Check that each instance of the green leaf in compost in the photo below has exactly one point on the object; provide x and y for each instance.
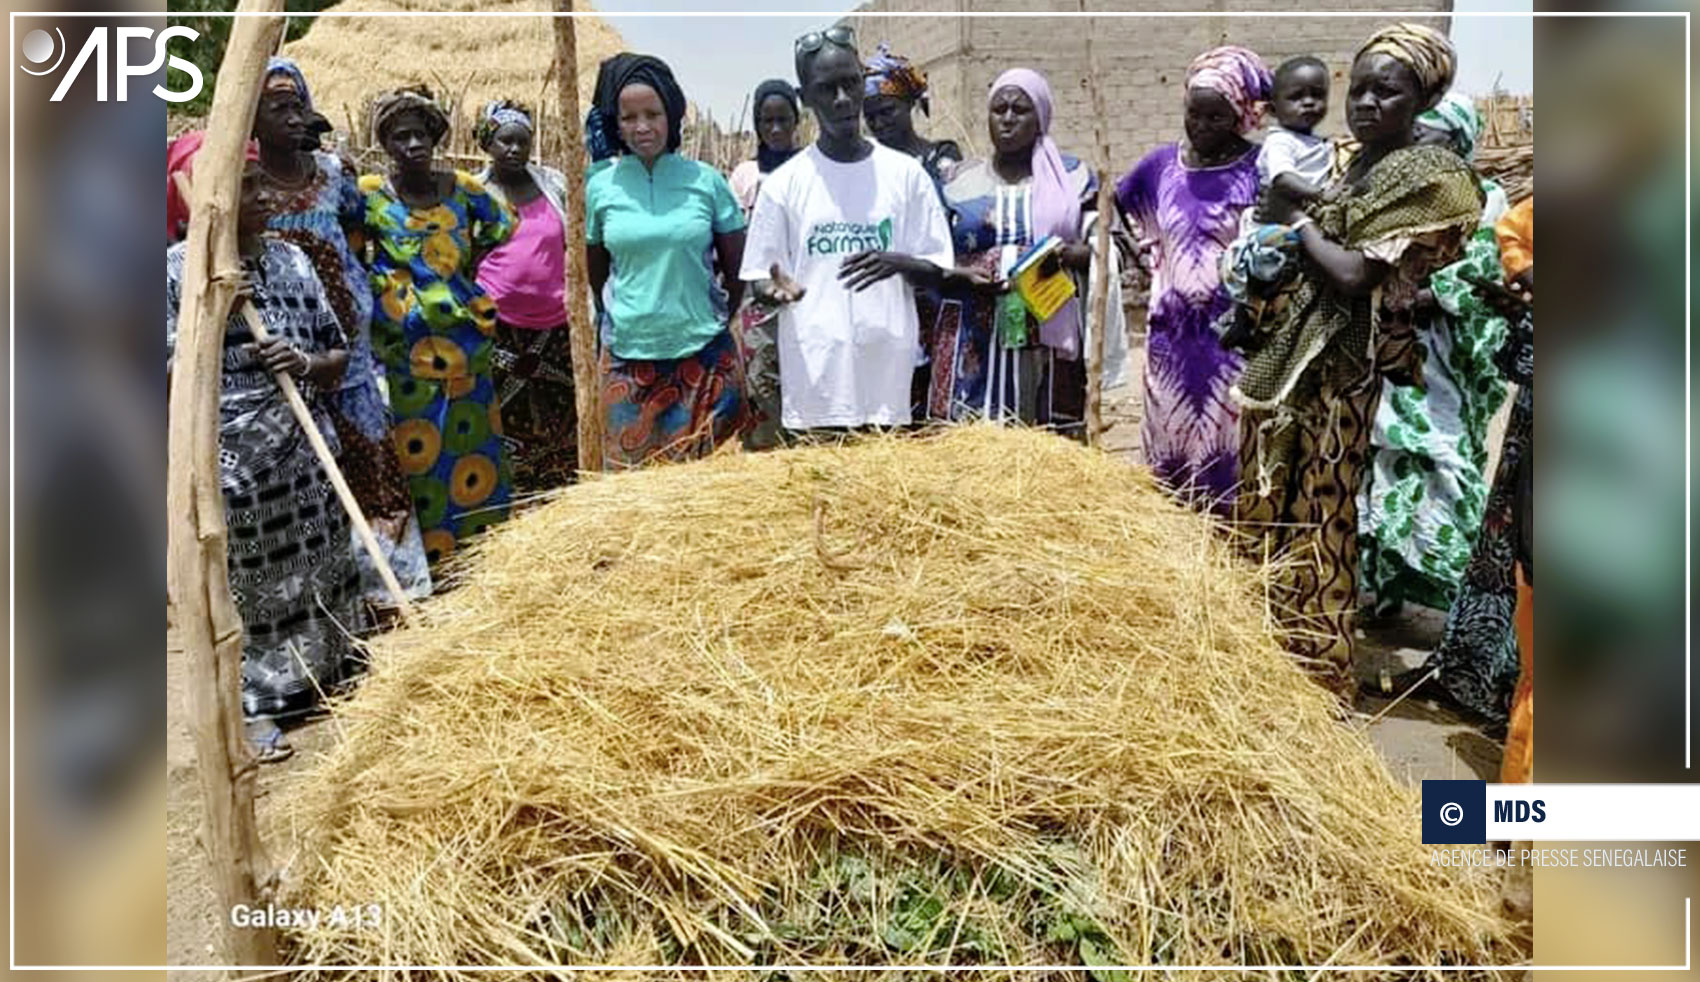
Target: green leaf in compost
(1097, 955)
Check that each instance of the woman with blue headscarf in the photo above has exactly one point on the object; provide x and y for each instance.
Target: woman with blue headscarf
(316, 200)
(1421, 509)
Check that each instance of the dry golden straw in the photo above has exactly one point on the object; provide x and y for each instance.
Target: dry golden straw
(467, 61)
(980, 697)
(350, 61)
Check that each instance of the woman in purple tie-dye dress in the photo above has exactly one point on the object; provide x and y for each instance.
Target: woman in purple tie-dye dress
(1185, 200)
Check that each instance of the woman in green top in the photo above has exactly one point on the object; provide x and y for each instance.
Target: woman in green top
(1423, 499)
(672, 387)
(433, 326)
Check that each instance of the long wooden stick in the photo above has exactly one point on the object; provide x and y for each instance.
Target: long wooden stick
(209, 625)
(587, 385)
(304, 416)
(1100, 312)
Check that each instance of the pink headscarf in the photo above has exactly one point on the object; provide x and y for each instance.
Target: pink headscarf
(178, 155)
(1056, 208)
(180, 158)
(1240, 76)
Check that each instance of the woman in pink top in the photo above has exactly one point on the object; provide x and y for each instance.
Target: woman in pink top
(526, 277)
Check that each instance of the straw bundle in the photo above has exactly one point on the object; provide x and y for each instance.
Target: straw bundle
(980, 697)
(1512, 166)
(466, 61)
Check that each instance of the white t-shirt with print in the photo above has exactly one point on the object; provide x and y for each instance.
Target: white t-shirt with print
(845, 359)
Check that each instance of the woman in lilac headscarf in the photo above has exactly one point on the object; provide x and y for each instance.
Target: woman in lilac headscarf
(1185, 201)
(991, 359)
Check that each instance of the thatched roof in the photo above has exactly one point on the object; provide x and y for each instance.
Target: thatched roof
(465, 60)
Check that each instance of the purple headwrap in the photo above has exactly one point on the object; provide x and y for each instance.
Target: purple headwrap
(1240, 76)
(1056, 208)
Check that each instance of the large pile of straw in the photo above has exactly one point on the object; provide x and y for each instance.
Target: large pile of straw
(984, 697)
(467, 61)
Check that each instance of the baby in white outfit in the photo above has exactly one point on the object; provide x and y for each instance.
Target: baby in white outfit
(1294, 159)
(1294, 162)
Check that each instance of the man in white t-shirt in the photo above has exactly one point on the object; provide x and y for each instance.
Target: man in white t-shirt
(840, 236)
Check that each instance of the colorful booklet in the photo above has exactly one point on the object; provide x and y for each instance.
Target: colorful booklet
(1043, 295)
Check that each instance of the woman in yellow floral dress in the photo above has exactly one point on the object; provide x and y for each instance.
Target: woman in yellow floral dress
(433, 326)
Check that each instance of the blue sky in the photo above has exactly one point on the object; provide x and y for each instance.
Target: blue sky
(719, 60)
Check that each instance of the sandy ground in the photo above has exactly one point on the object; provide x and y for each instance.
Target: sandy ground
(1418, 740)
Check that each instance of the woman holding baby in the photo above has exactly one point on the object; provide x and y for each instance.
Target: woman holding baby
(1393, 213)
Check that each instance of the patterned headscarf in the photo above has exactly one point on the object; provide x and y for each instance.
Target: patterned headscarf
(497, 114)
(602, 123)
(391, 105)
(887, 74)
(289, 69)
(1424, 50)
(1056, 209)
(597, 143)
(1456, 116)
(1240, 76)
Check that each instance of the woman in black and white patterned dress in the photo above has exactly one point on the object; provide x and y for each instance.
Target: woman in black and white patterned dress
(291, 572)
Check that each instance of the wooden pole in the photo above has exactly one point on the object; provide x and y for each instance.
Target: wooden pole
(208, 623)
(362, 528)
(1100, 312)
(587, 382)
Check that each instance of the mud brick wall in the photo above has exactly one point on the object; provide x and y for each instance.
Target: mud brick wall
(1142, 60)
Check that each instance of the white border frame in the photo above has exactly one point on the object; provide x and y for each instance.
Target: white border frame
(266, 970)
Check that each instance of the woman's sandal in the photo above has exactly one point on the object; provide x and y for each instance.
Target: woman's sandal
(268, 743)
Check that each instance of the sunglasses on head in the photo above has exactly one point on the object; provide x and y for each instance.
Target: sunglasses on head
(841, 35)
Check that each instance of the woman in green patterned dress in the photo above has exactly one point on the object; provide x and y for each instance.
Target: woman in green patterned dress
(433, 327)
(1312, 379)
(1421, 509)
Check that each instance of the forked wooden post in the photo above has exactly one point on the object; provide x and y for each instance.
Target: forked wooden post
(1100, 312)
(587, 387)
(208, 623)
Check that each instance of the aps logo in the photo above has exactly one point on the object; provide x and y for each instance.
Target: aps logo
(41, 47)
